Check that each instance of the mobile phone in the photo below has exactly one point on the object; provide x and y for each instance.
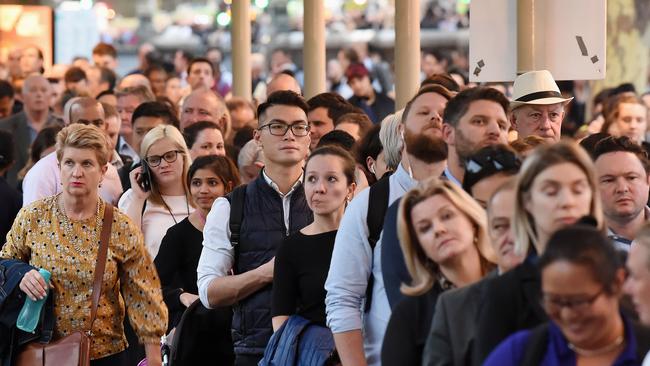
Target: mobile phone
(144, 181)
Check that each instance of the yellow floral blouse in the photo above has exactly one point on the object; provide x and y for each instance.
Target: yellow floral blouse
(44, 238)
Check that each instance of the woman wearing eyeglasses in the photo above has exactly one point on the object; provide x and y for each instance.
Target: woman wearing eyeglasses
(581, 287)
(159, 196)
(556, 186)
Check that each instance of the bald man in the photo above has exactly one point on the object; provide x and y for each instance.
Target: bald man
(134, 80)
(24, 126)
(44, 178)
(283, 82)
(204, 105)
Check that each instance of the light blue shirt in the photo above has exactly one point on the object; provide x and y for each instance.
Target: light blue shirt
(352, 262)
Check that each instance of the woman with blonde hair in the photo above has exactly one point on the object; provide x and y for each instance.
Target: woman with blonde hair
(556, 187)
(62, 234)
(444, 238)
(159, 196)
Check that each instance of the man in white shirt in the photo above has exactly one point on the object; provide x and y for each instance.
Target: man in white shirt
(274, 206)
(128, 99)
(44, 178)
(638, 281)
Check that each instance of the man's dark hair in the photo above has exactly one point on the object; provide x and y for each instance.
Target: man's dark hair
(339, 138)
(425, 89)
(458, 105)
(153, 68)
(282, 97)
(187, 55)
(589, 143)
(155, 109)
(105, 49)
(6, 149)
(357, 118)
(589, 248)
(489, 161)
(624, 88)
(622, 144)
(105, 92)
(6, 90)
(335, 104)
(369, 146)
(108, 76)
(602, 95)
(45, 138)
(191, 132)
(74, 75)
(442, 79)
(460, 72)
(200, 60)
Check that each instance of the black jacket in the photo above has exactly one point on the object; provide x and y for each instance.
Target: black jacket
(377, 111)
(512, 304)
(11, 302)
(262, 231)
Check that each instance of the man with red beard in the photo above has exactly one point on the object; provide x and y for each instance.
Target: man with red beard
(473, 119)
(355, 272)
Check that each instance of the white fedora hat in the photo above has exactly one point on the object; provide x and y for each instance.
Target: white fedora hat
(536, 87)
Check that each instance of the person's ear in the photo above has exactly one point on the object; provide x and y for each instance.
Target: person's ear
(513, 120)
(257, 136)
(448, 134)
(351, 188)
(370, 164)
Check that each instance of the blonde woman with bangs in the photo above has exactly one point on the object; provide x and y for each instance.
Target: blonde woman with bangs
(556, 187)
(444, 238)
(159, 196)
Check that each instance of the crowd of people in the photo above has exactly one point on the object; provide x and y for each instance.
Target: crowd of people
(471, 227)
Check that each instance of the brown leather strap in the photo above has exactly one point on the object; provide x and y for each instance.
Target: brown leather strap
(101, 261)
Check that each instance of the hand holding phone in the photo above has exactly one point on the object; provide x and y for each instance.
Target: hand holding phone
(140, 182)
(144, 179)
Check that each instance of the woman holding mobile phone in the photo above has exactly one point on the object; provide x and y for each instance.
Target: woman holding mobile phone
(159, 196)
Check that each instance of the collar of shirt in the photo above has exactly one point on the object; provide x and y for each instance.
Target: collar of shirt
(116, 160)
(559, 346)
(275, 187)
(623, 240)
(404, 179)
(124, 148)
(452, 178)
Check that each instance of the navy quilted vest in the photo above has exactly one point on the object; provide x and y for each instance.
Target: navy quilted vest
(261, 233)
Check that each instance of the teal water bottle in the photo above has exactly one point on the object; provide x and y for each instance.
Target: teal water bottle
(30, 314)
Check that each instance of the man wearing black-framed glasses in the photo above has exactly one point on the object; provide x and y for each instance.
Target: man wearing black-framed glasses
(270, 208)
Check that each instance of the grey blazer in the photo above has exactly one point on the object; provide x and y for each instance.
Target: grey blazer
(451, 337)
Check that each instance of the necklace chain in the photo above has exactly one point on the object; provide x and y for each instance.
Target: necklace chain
(77, 241)
(597, 352)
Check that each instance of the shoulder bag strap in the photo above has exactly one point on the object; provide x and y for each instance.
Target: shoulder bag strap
(101, 261)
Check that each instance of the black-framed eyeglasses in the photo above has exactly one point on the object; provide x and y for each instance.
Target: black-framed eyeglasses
(552, 303)
(280, 129)
(169, 156)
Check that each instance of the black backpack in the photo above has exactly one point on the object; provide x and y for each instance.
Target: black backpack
(237, 198)
(377, 206)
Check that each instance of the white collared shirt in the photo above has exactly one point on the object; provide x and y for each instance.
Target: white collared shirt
(124, 148)
(218, 254)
